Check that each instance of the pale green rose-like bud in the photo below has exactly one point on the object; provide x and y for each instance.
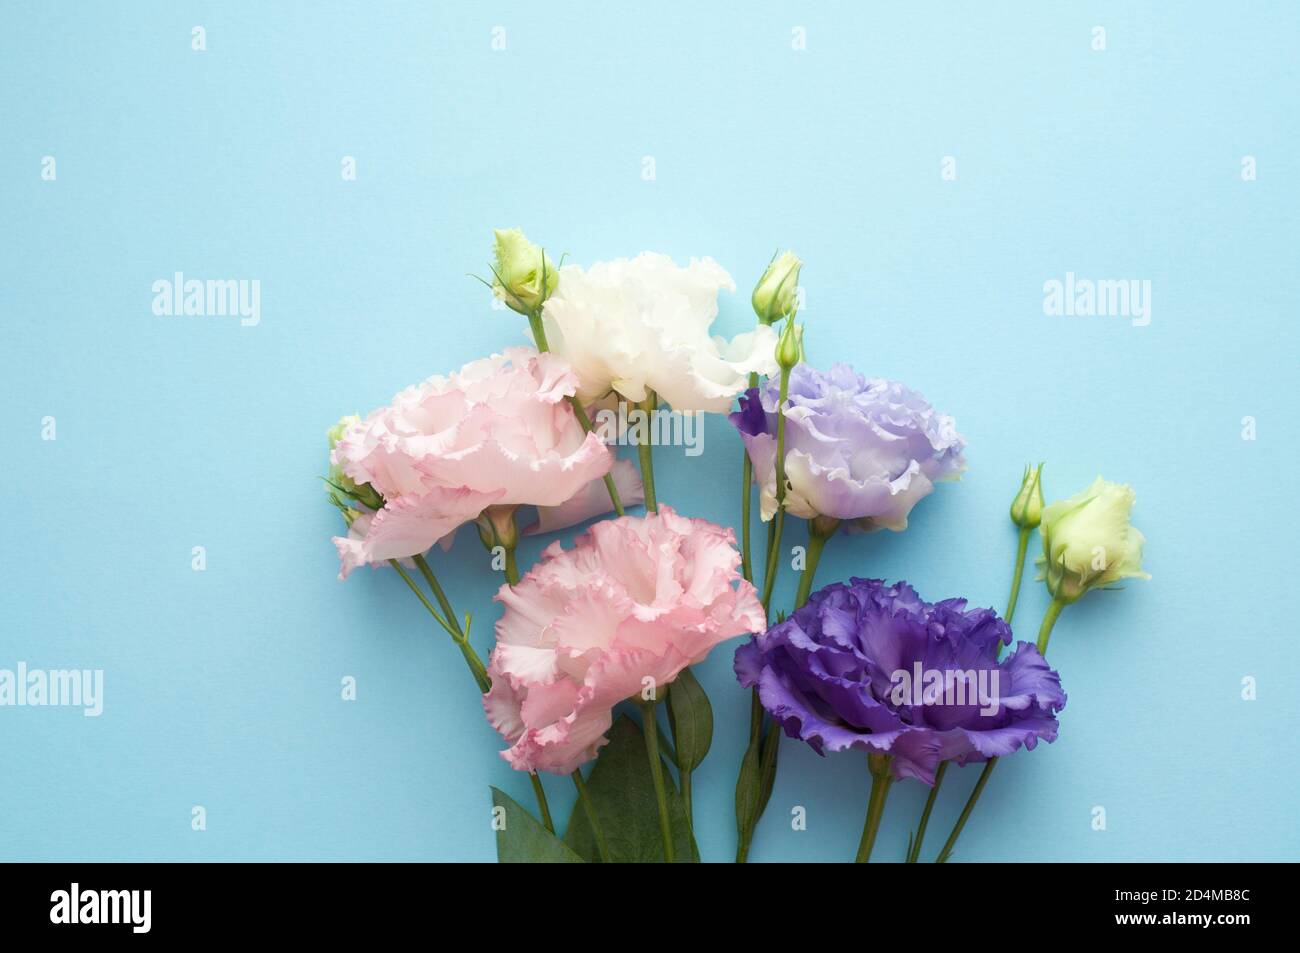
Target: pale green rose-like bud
(789, 349)
(777, 292)
(524, 274)
(1027, 507)
(338, 480)
(335, 433)
(1088, 542)
(336, 476)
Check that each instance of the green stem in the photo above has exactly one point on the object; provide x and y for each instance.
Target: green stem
(880, 782)
(650, 726)
(422, 564)
(774, 537)
(914, 854)
(1049, 622)
(476, 666)
(419, 594)
(773, 562)
(541, 801)
(746, 501)
(539, 330)
(767, 762)
(539, 337)
(946, 852)
(1044, 633)
(756, 747)
(1021, 547)
(580, 412)
(1019, 571)
(512, 566)
(784, 393)
(590, 809)
(816, 543)
(644, 452)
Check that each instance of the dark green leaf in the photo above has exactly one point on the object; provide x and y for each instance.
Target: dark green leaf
(748, 791)
(691, 717)
(623, 795)
(523, 839)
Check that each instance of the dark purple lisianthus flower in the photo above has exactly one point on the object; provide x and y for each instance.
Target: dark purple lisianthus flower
(870, 666)
(856, 449)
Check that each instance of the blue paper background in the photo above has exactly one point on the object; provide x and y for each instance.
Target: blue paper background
(222, 687)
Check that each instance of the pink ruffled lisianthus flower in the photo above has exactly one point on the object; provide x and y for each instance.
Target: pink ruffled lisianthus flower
(637, 598)
(500, 431)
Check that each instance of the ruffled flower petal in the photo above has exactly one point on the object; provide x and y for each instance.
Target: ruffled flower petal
(872, 666)
(592, 500)
(859, 450)
(500, 430)
(637, 325)
(636, 600)
(409, 525)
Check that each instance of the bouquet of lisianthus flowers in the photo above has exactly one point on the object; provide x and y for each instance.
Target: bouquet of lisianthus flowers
(594, 637)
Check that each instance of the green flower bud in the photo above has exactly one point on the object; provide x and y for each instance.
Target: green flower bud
(363, 493)
(496, 527)
(336, 476)
(349, 514)
(1027, 507)
(776, 294)
(335, 433)
(1088, 542)
(525, 276)
(789, 350)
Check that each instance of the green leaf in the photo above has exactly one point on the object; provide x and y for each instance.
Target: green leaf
(691, 717)
(522, 839)
(622, 792)
(748, 791)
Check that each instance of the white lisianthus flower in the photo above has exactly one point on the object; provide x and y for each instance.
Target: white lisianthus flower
(1088, 542)
(632, 326)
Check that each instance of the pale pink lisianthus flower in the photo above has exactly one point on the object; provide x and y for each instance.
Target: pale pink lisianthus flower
(636, 599)
(500, 431)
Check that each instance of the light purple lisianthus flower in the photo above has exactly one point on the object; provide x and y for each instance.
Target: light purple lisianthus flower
(875, 667)
(856, 449)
